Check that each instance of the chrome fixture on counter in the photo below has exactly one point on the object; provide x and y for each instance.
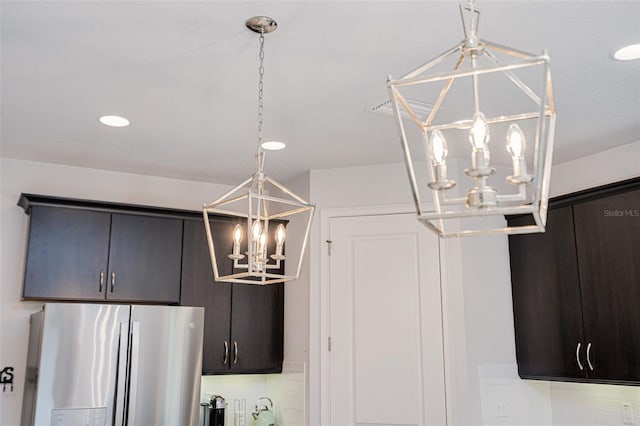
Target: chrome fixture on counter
(257, 202)
(509, 109)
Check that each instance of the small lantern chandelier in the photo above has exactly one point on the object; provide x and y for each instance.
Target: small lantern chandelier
(464, 116)
(260, 207)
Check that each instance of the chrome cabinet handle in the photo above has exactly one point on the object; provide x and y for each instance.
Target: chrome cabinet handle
(589, 357)
(101, 283)
(226, 352)
(235, 352)
(578, 356)
(113, 280)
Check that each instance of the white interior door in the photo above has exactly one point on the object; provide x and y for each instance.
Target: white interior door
(386, 356)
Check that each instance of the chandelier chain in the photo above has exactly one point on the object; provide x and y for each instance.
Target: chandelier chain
(260, 89)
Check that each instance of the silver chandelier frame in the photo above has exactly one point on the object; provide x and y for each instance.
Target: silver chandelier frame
(258, 202)
(451, 214)
(253, 203)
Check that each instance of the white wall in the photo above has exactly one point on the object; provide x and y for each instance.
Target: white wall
(296, 298)
(605, 167)
(347, 187)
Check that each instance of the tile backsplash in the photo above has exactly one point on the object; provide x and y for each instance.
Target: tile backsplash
(583, 404)
(508, 400)
(504, 397)
(286, 390)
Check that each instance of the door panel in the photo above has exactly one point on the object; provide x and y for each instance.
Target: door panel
(546, 299)
(144, 259)
(386, 328)
(249, 318)
(199, 289)
(257, 316)
(257, 320)
(165, 359)
(67, 251)
(608, 242)
(78, 358)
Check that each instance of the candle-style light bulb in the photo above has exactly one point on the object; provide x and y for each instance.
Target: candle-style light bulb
(237, 239)
(515, 142)
(237, 234)
(479, 134)
(438, 147)
(262, 243)
(516, 146)
(256, 230)
(479, 138)
(280, 236)
(259, 245)
(481, 195)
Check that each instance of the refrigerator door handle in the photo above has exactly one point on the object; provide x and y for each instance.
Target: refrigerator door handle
(121, 374)
(133, 372)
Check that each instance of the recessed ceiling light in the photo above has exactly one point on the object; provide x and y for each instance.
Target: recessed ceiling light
(273, 145)
(114, 121)
(627, 53)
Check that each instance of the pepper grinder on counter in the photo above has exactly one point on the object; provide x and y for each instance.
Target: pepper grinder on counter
(218, 404)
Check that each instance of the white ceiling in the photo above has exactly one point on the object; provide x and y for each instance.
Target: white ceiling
(185, 74)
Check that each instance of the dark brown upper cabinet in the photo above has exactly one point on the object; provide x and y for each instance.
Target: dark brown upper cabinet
(94, 252)
(83, 251)
(575, 289)
(608, 248)
(547, 309)
(244, 323)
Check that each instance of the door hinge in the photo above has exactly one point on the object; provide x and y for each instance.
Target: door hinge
(329, 247)
(329, 343)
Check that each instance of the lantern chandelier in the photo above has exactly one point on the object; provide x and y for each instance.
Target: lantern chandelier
(514, 104)
(260, 207)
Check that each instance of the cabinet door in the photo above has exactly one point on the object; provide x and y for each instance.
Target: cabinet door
(257, 325)
(250, 318)
(608, 241)
(144, 259)
(385, 323)
(67, 254)
(199, 289)
(546, 300)
(257, 321)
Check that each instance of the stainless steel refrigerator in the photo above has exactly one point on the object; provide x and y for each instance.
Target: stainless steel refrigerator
(98, 365)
